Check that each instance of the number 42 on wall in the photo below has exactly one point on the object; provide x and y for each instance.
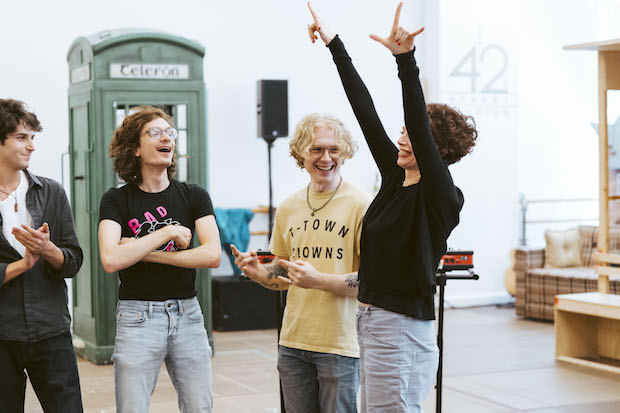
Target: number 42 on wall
(492, 57)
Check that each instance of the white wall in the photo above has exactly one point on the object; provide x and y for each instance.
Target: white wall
(550, 149)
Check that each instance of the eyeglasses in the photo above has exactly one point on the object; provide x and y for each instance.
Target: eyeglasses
(318, 151)
(156, 132)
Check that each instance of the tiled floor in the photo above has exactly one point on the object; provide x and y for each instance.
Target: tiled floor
(493, 362)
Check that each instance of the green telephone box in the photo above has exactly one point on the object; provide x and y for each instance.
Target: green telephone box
(110, 73)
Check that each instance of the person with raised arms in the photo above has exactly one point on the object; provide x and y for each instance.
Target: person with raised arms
(406, 226)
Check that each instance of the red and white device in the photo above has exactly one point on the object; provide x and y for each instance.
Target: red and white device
(265, 257)
(458, 260)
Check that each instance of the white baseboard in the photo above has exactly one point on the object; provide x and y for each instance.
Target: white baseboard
(475, 300)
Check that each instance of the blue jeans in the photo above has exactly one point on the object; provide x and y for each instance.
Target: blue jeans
(399, 359)
(52, 370)
(149, 333)
(318, 382)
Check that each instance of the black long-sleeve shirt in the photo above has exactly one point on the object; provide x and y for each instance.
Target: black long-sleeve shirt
(33, 305)
(405, 228)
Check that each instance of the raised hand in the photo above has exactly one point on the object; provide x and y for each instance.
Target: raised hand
(301, 274)
(247, 262)
(319, 27)
(400, 40)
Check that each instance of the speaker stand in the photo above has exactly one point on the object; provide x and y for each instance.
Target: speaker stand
(281, 295)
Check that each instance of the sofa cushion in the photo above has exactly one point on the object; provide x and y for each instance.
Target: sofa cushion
(572, 272)
(587, 244)
(563, 249)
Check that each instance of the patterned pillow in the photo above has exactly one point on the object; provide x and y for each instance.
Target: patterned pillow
(562, 249)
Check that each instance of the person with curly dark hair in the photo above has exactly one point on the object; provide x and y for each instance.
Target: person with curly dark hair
(126, 140)
(145, 234)
(405, 229)
(38, 250)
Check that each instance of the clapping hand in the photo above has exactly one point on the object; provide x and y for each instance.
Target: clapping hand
(35, 240)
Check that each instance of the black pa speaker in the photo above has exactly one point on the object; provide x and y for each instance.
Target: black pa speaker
(272, 108)
(242, 305)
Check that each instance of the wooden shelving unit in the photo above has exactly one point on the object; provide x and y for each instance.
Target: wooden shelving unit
(587, 326)
(587, 330)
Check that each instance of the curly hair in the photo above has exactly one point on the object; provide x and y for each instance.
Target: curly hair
(455, 134)
(12, 113)
(126, 140)
(304, 138)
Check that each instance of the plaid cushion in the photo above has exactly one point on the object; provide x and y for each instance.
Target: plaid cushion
(569, 272)
(588, 237)
(587, 244)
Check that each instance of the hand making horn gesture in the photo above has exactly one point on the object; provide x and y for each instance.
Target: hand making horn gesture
(318, 26)
(400, 40)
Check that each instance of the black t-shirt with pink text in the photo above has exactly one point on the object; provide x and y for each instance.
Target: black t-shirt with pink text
(140, 213)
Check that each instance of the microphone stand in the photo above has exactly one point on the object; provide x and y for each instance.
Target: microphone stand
(280, 295)
(440, 279)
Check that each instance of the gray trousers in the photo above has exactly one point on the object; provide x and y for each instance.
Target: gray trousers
(398, 360)
(149, 333)
(318, 382)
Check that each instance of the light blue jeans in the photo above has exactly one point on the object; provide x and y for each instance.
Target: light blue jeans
(318, 382)
(149, 333)
(398, 360)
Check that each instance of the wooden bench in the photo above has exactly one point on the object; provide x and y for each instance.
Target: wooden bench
(587, 330)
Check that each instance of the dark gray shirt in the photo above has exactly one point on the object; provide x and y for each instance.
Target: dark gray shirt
(33, 306)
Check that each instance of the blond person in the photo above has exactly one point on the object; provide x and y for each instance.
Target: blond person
(316, 243)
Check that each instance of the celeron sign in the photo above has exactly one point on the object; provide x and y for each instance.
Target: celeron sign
(148, 71)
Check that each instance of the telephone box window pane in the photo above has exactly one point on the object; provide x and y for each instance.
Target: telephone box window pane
(181, 119)
(120, 115)
(182, 142)
(182, 150)
(182, 170)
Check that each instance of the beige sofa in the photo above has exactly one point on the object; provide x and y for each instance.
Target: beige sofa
(537, 286)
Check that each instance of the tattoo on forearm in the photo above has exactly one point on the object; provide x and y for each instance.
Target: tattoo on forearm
(274, 286)
(352, 281)
(275, 271)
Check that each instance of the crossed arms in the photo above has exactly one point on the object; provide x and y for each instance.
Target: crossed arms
(119, 253)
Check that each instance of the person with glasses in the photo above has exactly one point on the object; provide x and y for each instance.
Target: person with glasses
(38, 250)
(316, 240)
(145, 234)
(406, 226)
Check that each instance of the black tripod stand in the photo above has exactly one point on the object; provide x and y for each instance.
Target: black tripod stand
(280, 295)
(440, 279)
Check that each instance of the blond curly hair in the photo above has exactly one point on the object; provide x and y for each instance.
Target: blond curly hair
(303, 137)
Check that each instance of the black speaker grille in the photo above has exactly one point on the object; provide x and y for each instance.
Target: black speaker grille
(272, 108)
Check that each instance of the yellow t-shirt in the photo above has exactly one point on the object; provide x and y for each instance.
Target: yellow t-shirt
(316, 320)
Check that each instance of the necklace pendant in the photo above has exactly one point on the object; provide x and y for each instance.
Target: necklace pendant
(15, 207)
(312, 214)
